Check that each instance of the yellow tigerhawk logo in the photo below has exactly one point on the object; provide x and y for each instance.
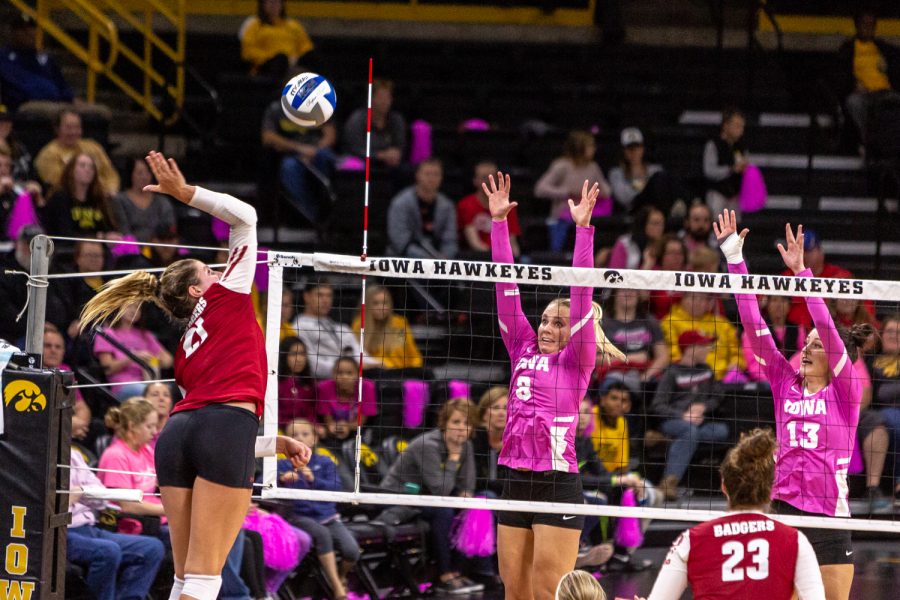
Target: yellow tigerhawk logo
(25, 396)
(367, 457)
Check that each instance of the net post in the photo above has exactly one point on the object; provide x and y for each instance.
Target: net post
(41, 250)
(273, 337)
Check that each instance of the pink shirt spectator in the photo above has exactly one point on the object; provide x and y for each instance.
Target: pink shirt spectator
(120, 457)
(135, 340)
(339, 409)
(297, 400)
(80, 476)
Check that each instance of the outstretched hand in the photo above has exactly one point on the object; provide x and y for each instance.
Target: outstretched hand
(793, 255)
(297, 452)
(498, 196)
(581, 212)
(726, 226)
(169, 178)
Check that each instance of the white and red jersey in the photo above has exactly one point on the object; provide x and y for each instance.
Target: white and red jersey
(741, 556)
(816, 432)
(222, 355)
(545, 389)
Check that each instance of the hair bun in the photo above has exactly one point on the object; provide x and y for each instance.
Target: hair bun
(756, 446)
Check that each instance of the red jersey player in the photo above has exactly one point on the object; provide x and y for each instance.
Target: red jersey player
(745, 554)
(205, 454)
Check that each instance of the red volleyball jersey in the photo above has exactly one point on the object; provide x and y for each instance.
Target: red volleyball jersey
(744, 555)
(222, 354)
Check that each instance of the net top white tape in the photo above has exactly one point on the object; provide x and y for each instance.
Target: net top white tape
(559, 276)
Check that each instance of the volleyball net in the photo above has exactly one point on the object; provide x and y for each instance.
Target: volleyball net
(430, 334)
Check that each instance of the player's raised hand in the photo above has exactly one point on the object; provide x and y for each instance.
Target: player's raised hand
(169, 179)
(498, 196)
(581, 212)
(793, 254)
(726, 226)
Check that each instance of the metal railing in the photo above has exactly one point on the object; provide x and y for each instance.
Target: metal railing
(160, 63)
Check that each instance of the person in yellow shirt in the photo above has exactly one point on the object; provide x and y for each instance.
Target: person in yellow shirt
(868, 65)
(388, 335)
(610, 434)
(52, 159)
(695, 313)
(272, 43)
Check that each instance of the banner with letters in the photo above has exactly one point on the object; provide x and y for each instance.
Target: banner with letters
(33, 517)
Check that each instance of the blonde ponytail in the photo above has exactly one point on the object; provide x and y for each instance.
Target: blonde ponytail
(606, 347)
(116, 296)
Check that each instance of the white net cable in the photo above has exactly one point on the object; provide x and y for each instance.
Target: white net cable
(469, 285)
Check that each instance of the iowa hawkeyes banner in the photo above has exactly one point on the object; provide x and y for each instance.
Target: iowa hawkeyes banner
(681, 281)
(33, 517)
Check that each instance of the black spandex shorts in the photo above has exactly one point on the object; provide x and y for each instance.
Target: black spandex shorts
(832, 546)
(868, 420)
(215, 442)
(542, 486)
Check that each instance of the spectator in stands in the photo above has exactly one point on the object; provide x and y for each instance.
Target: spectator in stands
(669, 254)
(137, 212)
(320, 520)
(488, 440)
(14, 292)
(610, 432)
(724, 160)
(25, 72)
(602, 487)
(118, 367)
(160, 396)
(21, 158)
(274, 44)
(117, 565)
(703, 259)
(74, 292)
(474, 219)
(695, 312)
(388, 140)
(684, 399)
(636, 183)
(563, 180)
(867, 67)
(296, 386)
(389, 339)
(633, 330)
(422, 220)
(886, 393)
(787, 335)
(337, 401)
(17, 199)
(305, 160)
(697, 230)
(634, 250)
(54, 353)
(54, 157)
(814, 258)
(326, 340)
(288, 313)
(441, 462)
(79, 206)
(130, 455)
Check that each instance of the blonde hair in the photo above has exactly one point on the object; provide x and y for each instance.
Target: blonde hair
(579, 585)
(169, 292)
(488, 398)
(603, 344)
(382, 337)
(131, 412)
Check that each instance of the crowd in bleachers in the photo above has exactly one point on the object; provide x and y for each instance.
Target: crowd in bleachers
(643, 420)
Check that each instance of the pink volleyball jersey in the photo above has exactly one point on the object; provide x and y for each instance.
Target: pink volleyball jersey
(222, 355)
(816, 432)
(545, 389)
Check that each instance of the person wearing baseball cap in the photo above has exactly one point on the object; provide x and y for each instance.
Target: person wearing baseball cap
(635, 182)
(684, 400)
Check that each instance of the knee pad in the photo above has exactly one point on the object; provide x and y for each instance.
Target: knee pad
(177, 586)
(202, 587)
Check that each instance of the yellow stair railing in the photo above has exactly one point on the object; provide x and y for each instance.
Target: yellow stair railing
(141, 16)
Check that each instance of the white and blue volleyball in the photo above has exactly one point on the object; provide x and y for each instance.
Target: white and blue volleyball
(308, 100)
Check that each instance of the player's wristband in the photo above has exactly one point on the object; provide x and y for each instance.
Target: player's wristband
(732, 248)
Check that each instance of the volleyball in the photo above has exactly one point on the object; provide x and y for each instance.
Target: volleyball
(308, 99)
